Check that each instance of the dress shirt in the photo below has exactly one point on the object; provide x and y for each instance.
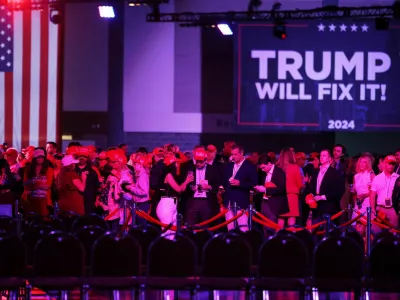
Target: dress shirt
(269, 174)
(321, 174)
(236, 168)
(200, 177)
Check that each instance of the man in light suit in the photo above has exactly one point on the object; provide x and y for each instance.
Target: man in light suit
(240, 177)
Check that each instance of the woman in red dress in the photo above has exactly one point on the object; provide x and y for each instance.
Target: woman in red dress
(38, 180)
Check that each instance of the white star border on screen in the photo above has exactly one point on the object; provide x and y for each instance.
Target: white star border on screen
(331, 27)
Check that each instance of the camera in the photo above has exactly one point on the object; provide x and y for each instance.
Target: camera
(199, 188)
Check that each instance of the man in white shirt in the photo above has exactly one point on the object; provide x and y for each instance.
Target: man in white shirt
(382, 191)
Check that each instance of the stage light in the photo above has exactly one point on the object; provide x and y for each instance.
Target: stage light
(225, 29)
(146, 2)
(280, 31)
(106, 12)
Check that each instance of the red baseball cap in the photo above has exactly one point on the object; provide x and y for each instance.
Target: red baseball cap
(390, 159)
(200, 154)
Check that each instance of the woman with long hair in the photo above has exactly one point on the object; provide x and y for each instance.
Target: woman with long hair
(38, 181)
(140, 190)
(362, 184)
(294, 184)
(167, 206)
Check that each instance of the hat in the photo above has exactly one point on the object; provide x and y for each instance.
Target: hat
(102, 155)
(117, 155)
(140, 159)
(390, 159)
(68, 160)
(211, 148)
(300, 155)
(83, 151)
(158, 151)
(199, 154)
(38, 153)
(12, 152)
(91, 148)
(73, 150)
(28, 149)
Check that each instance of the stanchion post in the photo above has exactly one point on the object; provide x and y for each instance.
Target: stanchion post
(125, 210)
(349, 212)
(133, 214)
(368, 230)
(251, 210)
(328, 224)
(18, 218)
(235, 223)
(55, 212)
(179, 222)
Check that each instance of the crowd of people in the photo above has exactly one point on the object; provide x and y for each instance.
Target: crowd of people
(289, 189)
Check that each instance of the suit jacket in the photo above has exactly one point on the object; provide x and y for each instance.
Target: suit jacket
(277, 196)
(247, 175)
(219, 167)
(214, 180)
(184, 168)
(333, 187)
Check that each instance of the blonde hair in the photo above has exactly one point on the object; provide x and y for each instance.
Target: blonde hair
(286, 157)
(369, 163)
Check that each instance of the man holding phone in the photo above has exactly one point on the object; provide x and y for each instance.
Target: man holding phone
(201, 193)
(382, 191)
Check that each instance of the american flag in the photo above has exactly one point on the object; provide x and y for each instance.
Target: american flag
(29, 48)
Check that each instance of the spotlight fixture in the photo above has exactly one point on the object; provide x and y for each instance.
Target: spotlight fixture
(106, 12)
(146, 2)
(55, 16)
(280, 30)
(225, 29)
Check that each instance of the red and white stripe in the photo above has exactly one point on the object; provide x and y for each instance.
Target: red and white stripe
(28, 95)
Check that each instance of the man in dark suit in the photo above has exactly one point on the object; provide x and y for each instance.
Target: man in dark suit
(201, 194)
(271, 189)
(328, 187)
(240, 177)
(211, 159)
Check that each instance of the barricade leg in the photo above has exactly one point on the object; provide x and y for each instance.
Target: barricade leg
(327, 224)
(369, 230)
(250, 216)
(133, 214)
(234, 209)
(349, 212)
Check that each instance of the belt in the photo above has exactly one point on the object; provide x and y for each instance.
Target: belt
(383, 206)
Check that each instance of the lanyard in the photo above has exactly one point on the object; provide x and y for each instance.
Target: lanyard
(388, 185)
